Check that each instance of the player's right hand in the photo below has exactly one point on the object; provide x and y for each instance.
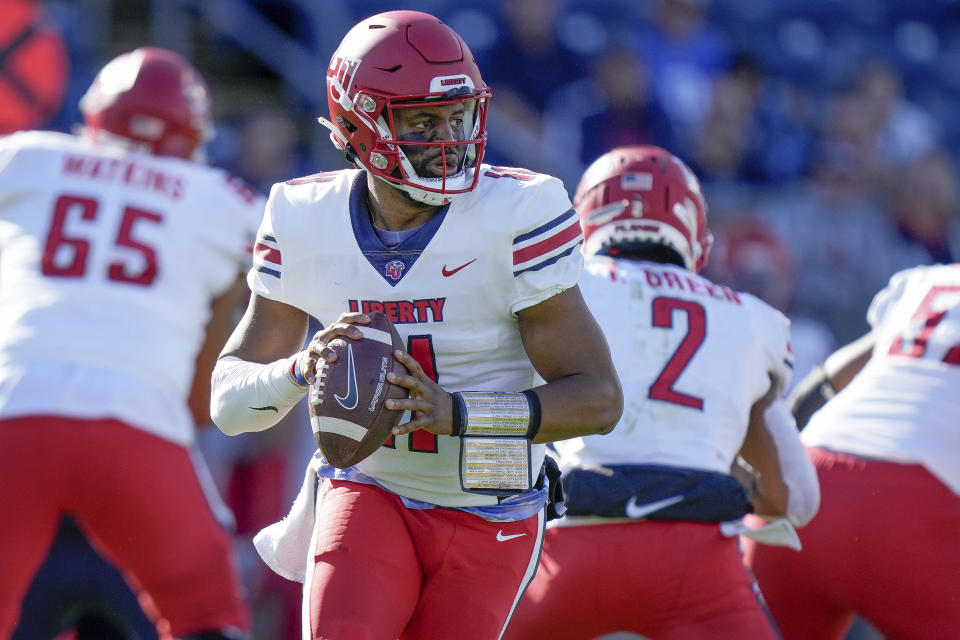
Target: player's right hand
(317, 348)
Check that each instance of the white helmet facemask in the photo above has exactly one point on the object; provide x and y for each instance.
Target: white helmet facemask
(435, 190)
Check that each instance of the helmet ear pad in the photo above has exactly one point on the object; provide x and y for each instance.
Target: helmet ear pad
(396, 60)
(153, 98)
(637, 195)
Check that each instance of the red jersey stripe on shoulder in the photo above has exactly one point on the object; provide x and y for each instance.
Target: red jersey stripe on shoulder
(510, 172)
(325, 176)
(268, 254)
(558, 239)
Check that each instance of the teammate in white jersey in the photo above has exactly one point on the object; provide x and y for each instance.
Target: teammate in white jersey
(477, 266)
(887, 450)
(121, 264)
(649, 540)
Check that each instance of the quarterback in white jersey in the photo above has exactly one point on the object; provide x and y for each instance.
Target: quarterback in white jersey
(886, 447)
(477, 267)
(452, 298)
(654, 501)
(119, 271)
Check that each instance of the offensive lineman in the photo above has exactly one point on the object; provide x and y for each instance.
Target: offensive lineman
(649, 542)
(886, 448)
(477, 267)
(120, 265)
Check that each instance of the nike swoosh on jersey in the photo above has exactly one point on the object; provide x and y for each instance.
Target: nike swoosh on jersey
(635, 510)
(501, 537)
(349, 401)
(267, 408)
(449, 272)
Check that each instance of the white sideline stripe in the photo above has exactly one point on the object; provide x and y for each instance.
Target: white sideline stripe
(338, 426)
(376, 334)
(531, 568)
(221, 511)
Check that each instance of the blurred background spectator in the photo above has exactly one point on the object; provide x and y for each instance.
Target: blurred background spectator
(684, 53)
(749, 255)
(262, 147)
(833, 123)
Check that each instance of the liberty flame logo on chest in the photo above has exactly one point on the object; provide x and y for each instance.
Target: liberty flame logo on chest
(394, 269)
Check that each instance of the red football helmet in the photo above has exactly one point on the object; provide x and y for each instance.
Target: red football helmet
(637, 195)
(751, 256)
(153, 98)
(404, 59)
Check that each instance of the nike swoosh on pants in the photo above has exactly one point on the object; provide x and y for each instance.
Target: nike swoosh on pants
(634, 510)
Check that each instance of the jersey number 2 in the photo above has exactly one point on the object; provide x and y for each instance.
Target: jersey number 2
(66, 257)
(421, 349)
(662, 388)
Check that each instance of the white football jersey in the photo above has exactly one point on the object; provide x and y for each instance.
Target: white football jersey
(452, 289)
(109, 260)
(692, 356)
(904, 405)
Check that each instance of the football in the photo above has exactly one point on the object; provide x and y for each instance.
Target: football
(347, 401)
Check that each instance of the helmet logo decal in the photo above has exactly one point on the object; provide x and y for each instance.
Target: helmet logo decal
(606, 213)
(146, 127)
(394, 269)
(340, 79)
(686, 212)
(636, 182)
(120, 74)
(692, 183)
(442, 84)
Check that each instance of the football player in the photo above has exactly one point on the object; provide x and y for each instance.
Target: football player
(436, 534)
(121, 263)
(649, 541)
(886, 448)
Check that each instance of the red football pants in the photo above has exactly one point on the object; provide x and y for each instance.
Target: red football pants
(885, 544)
(664, 580)
(382, 571)
(136, 496)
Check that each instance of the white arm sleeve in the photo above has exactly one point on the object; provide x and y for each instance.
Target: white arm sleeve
(249, 396)
(803, 488)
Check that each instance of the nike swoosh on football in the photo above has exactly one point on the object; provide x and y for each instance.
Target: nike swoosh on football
(635, 510)
(501, 537)
(268, 408)
(349, 401)
(449, 272)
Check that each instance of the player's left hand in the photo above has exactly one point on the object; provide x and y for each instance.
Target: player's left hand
(432, 407)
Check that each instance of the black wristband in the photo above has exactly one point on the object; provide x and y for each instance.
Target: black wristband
(458, 420)
(534, 400)
(485, 425)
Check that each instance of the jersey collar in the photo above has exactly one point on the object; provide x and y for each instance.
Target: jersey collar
(391, 263)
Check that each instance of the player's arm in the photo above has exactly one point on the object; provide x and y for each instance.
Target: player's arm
(781, 480)
(830, 378)
(765, 487)
(264, 370)
(566, 346)
(218, 330)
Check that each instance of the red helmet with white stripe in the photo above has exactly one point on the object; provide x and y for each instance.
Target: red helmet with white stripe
(151, 98)
(406, 60)
(635, 196)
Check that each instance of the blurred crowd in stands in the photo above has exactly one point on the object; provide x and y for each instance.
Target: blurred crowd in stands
(826, 133)
(830, 122)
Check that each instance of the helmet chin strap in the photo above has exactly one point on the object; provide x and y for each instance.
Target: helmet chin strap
(419, 195)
